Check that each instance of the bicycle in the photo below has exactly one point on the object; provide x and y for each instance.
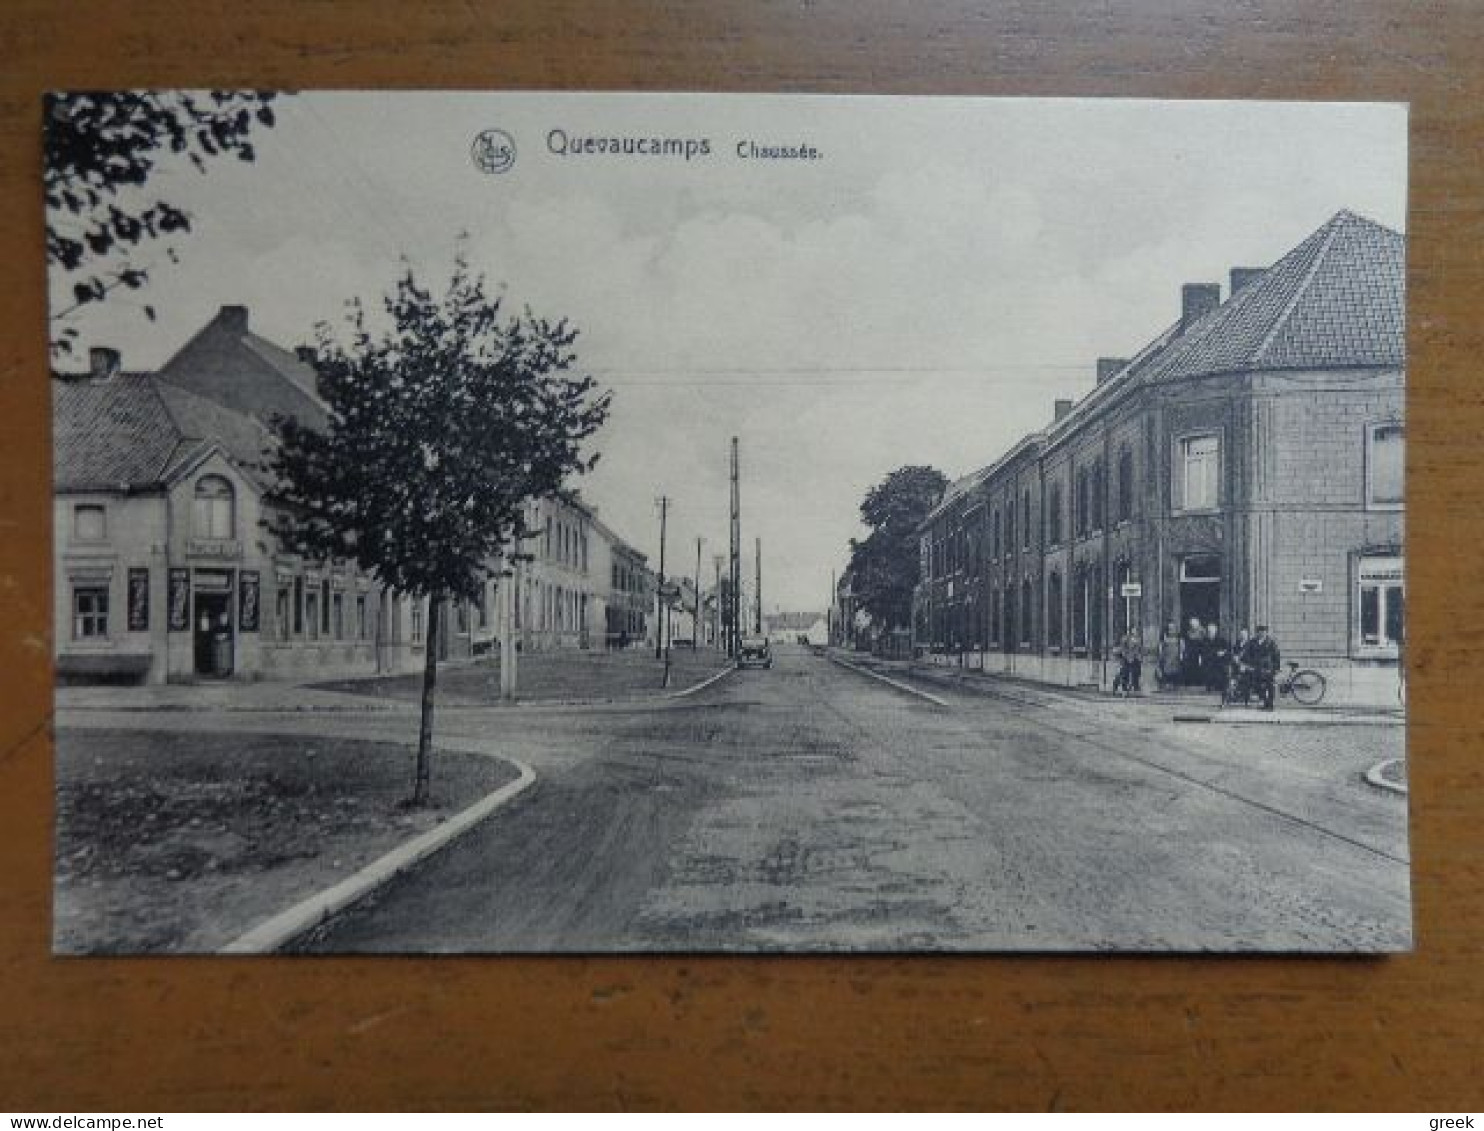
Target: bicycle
(1305, 685)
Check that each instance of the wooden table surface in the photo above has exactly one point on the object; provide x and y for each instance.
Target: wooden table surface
(998, 1032)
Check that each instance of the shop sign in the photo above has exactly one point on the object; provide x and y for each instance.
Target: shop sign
(180, 600)
(225, 549)
(139, 600)
(247, 600)
(1311, 585)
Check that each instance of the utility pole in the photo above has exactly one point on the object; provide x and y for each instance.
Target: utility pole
(757, 565)
(734, 598)
(716, 637)
(695, 625)
(660, 636)
(507, 592)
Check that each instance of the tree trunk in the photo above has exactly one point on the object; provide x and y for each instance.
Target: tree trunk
(430, 683)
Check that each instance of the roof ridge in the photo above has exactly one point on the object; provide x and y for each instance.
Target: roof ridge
(1329, 231)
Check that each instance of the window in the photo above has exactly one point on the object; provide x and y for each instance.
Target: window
(213, 508)
(1381, 606)
(1010, 526)
(298, 606)
(1053, 611)
(339, 616)
(1125, 485)
(90, 612)
(1027, 607)
(995, 543)
(1200, 459)
(1053, 521)
(1080, 519)
(1025, 518)
(89, 523)
(281, 615)
(1385, 461)
(311, 612)
(325, 607)
(1079, 608)
(994, 615)
(363, 629)
(1099, 495)
(419, 620)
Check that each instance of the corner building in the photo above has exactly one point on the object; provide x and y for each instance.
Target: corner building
(1246, 467)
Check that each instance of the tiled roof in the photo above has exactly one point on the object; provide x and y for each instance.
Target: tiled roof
(137, 432)
(110, 435)
(1338, 299)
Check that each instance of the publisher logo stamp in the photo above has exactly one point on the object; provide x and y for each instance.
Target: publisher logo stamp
(493, 151)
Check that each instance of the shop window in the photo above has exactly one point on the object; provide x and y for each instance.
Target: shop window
(1198, 477)
(89, 523)
(90, 612)
(1027, 607)
(281, 614)
(214, 508)
(1385, 463)
(1381, 605)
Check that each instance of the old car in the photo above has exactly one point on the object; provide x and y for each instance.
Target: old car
(755, 653)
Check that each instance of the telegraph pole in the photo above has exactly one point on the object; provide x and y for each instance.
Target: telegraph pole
(716, 637)
(695, 626)
(757, 565)
(660, 636)
(734, 599)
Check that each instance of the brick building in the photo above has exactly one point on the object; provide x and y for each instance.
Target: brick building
(1245, 467)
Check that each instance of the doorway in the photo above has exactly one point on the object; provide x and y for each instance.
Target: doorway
(1200, 589)
(213, 624)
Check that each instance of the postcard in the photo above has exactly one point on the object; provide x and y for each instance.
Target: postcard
(587, 523)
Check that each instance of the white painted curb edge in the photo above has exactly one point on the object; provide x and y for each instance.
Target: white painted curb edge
(1373, 775)
(898, 684)
(268, 936)
(705, 683)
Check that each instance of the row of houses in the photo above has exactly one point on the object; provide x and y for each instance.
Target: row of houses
(1244, 468)
(164, 570)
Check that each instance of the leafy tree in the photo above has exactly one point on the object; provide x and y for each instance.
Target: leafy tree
(442, 426)
(884, 564)
(101, 149)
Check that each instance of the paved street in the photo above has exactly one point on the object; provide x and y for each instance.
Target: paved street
(813, 807)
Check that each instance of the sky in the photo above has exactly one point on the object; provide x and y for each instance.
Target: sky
(921, 291)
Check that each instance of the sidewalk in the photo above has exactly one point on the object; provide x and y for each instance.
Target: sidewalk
(1181, 706)
(544, 677)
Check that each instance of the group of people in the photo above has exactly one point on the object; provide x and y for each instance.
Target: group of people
(1240, 669)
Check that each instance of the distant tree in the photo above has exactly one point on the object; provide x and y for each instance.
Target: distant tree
(442, 427)
(884, 564)
(100, 147)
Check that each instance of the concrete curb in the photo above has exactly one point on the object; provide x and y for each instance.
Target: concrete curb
(896, 683)
(274, 933)
(705, 683)
(1374, 777)
(1304, 719)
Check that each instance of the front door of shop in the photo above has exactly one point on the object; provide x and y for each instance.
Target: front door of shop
(213, 624)
(1200, 590)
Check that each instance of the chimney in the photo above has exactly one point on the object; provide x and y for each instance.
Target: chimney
(103, 363)
(1241, 276)
(305, 354)
(1197, 299)
(1062, 408)
(1107, 366)
(233, 319)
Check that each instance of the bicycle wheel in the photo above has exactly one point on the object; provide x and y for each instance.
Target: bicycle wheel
(1307, 686)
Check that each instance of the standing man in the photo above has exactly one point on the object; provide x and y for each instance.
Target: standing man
(1192, 661)
(1263, 658)
(1217, 658)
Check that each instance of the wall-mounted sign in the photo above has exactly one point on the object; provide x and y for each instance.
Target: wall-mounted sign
(180, 600)
(1311, 585)
(139, 600)
(247, 601)
(1131, 589)
(224, 549)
